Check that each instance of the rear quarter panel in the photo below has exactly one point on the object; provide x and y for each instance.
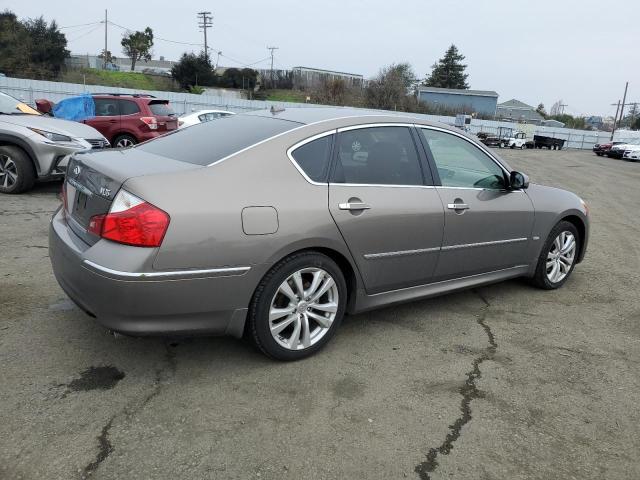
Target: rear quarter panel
(206, 206)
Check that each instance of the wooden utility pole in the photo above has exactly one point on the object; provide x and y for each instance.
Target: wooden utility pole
(624, 99)
(615, 120)
(106, 22)
(206, 22)
(272, 49)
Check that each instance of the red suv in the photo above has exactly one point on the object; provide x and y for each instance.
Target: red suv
(127, 119)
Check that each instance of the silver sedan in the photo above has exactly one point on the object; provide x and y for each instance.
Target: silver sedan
(275, 224)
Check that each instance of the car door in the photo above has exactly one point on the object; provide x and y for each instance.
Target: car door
(107, 119)
(487, 226)
(385, 206)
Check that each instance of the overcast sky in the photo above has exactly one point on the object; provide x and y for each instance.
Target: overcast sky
(580, 51)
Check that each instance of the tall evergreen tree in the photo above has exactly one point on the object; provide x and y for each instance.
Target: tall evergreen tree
(448, 72)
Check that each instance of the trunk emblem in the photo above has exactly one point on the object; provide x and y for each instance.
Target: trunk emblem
(76, 170)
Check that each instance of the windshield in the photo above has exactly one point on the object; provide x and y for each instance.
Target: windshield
(10, 105)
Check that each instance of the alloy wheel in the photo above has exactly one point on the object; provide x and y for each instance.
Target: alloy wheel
(561, 257)
(303, 308)
(8, 171)
(124, 143)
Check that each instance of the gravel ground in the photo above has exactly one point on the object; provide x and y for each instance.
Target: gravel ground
(502, 382)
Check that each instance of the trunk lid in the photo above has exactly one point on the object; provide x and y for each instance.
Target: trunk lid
(94, 178)
(165, 116)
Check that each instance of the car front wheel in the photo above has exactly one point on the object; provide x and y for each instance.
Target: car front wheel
(16, 171)
(297, 306)
(558, 257)
(124, 141)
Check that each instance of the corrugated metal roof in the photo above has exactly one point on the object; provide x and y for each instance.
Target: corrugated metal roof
(459, 91)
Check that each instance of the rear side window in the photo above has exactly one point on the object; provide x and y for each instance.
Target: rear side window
(208, 142)
(127, 107)
(377, 156)
(161, 108)
(106, 107)
(313, 158)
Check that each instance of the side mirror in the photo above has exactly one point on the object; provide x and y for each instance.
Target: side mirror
(518, 180)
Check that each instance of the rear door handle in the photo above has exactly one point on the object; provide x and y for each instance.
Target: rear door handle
(353, 206)
(458, 206)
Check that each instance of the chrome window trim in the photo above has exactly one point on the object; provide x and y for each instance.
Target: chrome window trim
(480, 147)
(374, 125)
(302, 125)
(167, 274)
(376, 256)
(377, 185)
(301, 143)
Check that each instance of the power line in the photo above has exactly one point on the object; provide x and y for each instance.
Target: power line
(205, 23)
(243, 63)
(79, 25)
(85, 33)
(154, 37)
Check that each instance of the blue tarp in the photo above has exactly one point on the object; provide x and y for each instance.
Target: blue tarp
(75, 108)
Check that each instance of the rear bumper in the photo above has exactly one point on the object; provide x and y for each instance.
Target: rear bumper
(210, 301)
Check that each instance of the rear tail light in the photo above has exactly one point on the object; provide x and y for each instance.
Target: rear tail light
(131, 221)
(150, 122)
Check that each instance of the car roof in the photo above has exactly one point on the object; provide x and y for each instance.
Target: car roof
(309, 115)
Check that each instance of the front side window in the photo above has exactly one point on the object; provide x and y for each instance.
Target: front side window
(313, 158)
(461, 164)
(377, 156)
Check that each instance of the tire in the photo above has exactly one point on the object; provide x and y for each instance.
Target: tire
(126, 140)
(523, 146)
(269, 296)
(512, 146)
(17, 173)
(542, 277)
(598, 154)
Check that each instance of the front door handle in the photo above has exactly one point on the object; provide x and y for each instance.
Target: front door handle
(458, 206)
(353, 206)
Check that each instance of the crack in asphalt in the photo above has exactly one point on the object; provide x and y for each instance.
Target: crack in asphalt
(105, 447)
(469, 392)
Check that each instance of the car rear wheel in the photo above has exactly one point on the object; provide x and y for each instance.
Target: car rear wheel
(124, 141)
(558, 257)
(298, 306)
(16, 170)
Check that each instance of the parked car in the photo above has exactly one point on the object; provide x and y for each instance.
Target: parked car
(632, 155)
(126, 120)
(617, 151)
(275, 224)
(201, 116)
(601, 149)
(34, 147)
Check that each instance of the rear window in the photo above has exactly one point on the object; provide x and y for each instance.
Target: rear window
(161, 108)
(208, 142)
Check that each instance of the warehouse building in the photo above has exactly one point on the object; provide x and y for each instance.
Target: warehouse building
(460, 101)
(305, 77)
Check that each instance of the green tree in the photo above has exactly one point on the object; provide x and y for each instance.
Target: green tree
(391, 88)
(238, 78)
(137, 45)
(448, 72)
(193, 70)
(31, 48)
(541, 110)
